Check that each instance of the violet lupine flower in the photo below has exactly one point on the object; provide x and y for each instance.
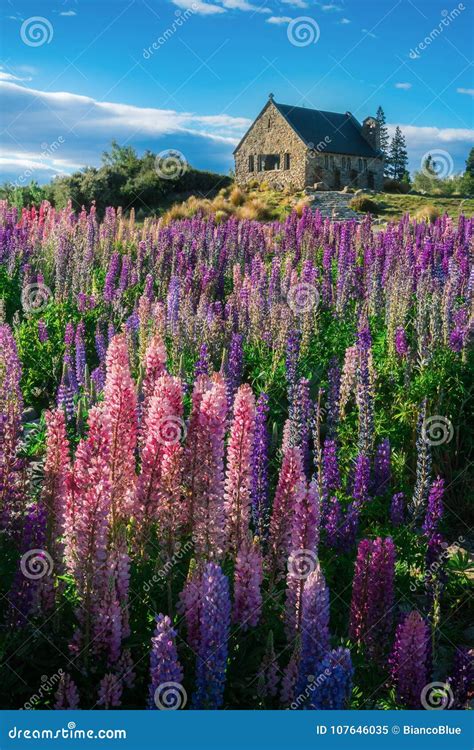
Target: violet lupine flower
(314, 627)
(334, 385)
(382, 468)
(110, 278)
(259, 490)
(341, 527)
(65, 394)
(409, 661)
(42, 331)
(67, 695)
(331, 475)
(373, 595)
(234, 367)
(189, 604)
(110, 691)
(397, 509)
(80, 353)
(303, 556)
(423, 468)
(11, 408)
(248, 576)
(24, 597)
(172, 304)
(434, 509)
(290, 488)
(203, 365)
(401, 345)
(461, 680)
(300, 423)
(239, 470)
(459, 334)
(360, 491)
(290, 675)
(214, 627)
(333, 692)
(292, 357)
(164, 666)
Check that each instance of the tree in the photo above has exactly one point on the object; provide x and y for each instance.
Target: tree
(398, 156)
(384, 137)
(468, 176)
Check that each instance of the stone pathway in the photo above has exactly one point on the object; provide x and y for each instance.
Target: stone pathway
(333, 205)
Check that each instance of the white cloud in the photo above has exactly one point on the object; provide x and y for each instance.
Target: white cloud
(4, 76)
(431, 136)
(469, 92)
(330, 6)
(404, 86)
(205, 8)
(278, 19)
(296, 3)
(68, 13)
(345, 20)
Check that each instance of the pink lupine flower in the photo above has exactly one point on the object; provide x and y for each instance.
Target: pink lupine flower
(87, 517)
(289, 492)
(207, 484)
(110, 691)
(56, 469)
(155, 366)
(239, 468)
(120, 401)
(67, 695)
(303, 556)
(248, 577)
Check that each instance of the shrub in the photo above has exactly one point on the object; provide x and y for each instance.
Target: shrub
(363, 204)
(428, 213)
(395, 186)
(237, 196)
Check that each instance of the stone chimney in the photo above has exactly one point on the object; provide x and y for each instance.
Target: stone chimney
(371, 132)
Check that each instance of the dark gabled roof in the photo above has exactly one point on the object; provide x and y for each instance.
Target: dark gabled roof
(313, 125)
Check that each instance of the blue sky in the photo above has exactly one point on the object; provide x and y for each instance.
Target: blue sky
(192, 74)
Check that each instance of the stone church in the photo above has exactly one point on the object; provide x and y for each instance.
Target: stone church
(299, 148)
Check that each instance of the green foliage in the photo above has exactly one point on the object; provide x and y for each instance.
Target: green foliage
(364, 204)
(397, 161)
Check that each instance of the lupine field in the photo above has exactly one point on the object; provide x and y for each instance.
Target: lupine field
(236, 462)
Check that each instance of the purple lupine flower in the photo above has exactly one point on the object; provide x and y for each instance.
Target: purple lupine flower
(248, 575)
(259, 489)
(290, 675)
(110, 277)
(360, 491)
(292, 357)
(434, 508)
(164, 666)
(80, 353)
(314, 627)
(172, 304)
(268, 676)
(397, 509)
(214, 625)
(409, 661)
(333, 690)
(234, 367)
(382, 468)
(334, 385)
(423, 468)
(203, 365)
(300, 424)
(401, 344)
(42, 331)
(461, 680)
(67, 695)
(331, 476)
(380, 597)
(110, 691)
(24, 598)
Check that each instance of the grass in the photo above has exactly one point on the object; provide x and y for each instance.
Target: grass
(393, 207)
